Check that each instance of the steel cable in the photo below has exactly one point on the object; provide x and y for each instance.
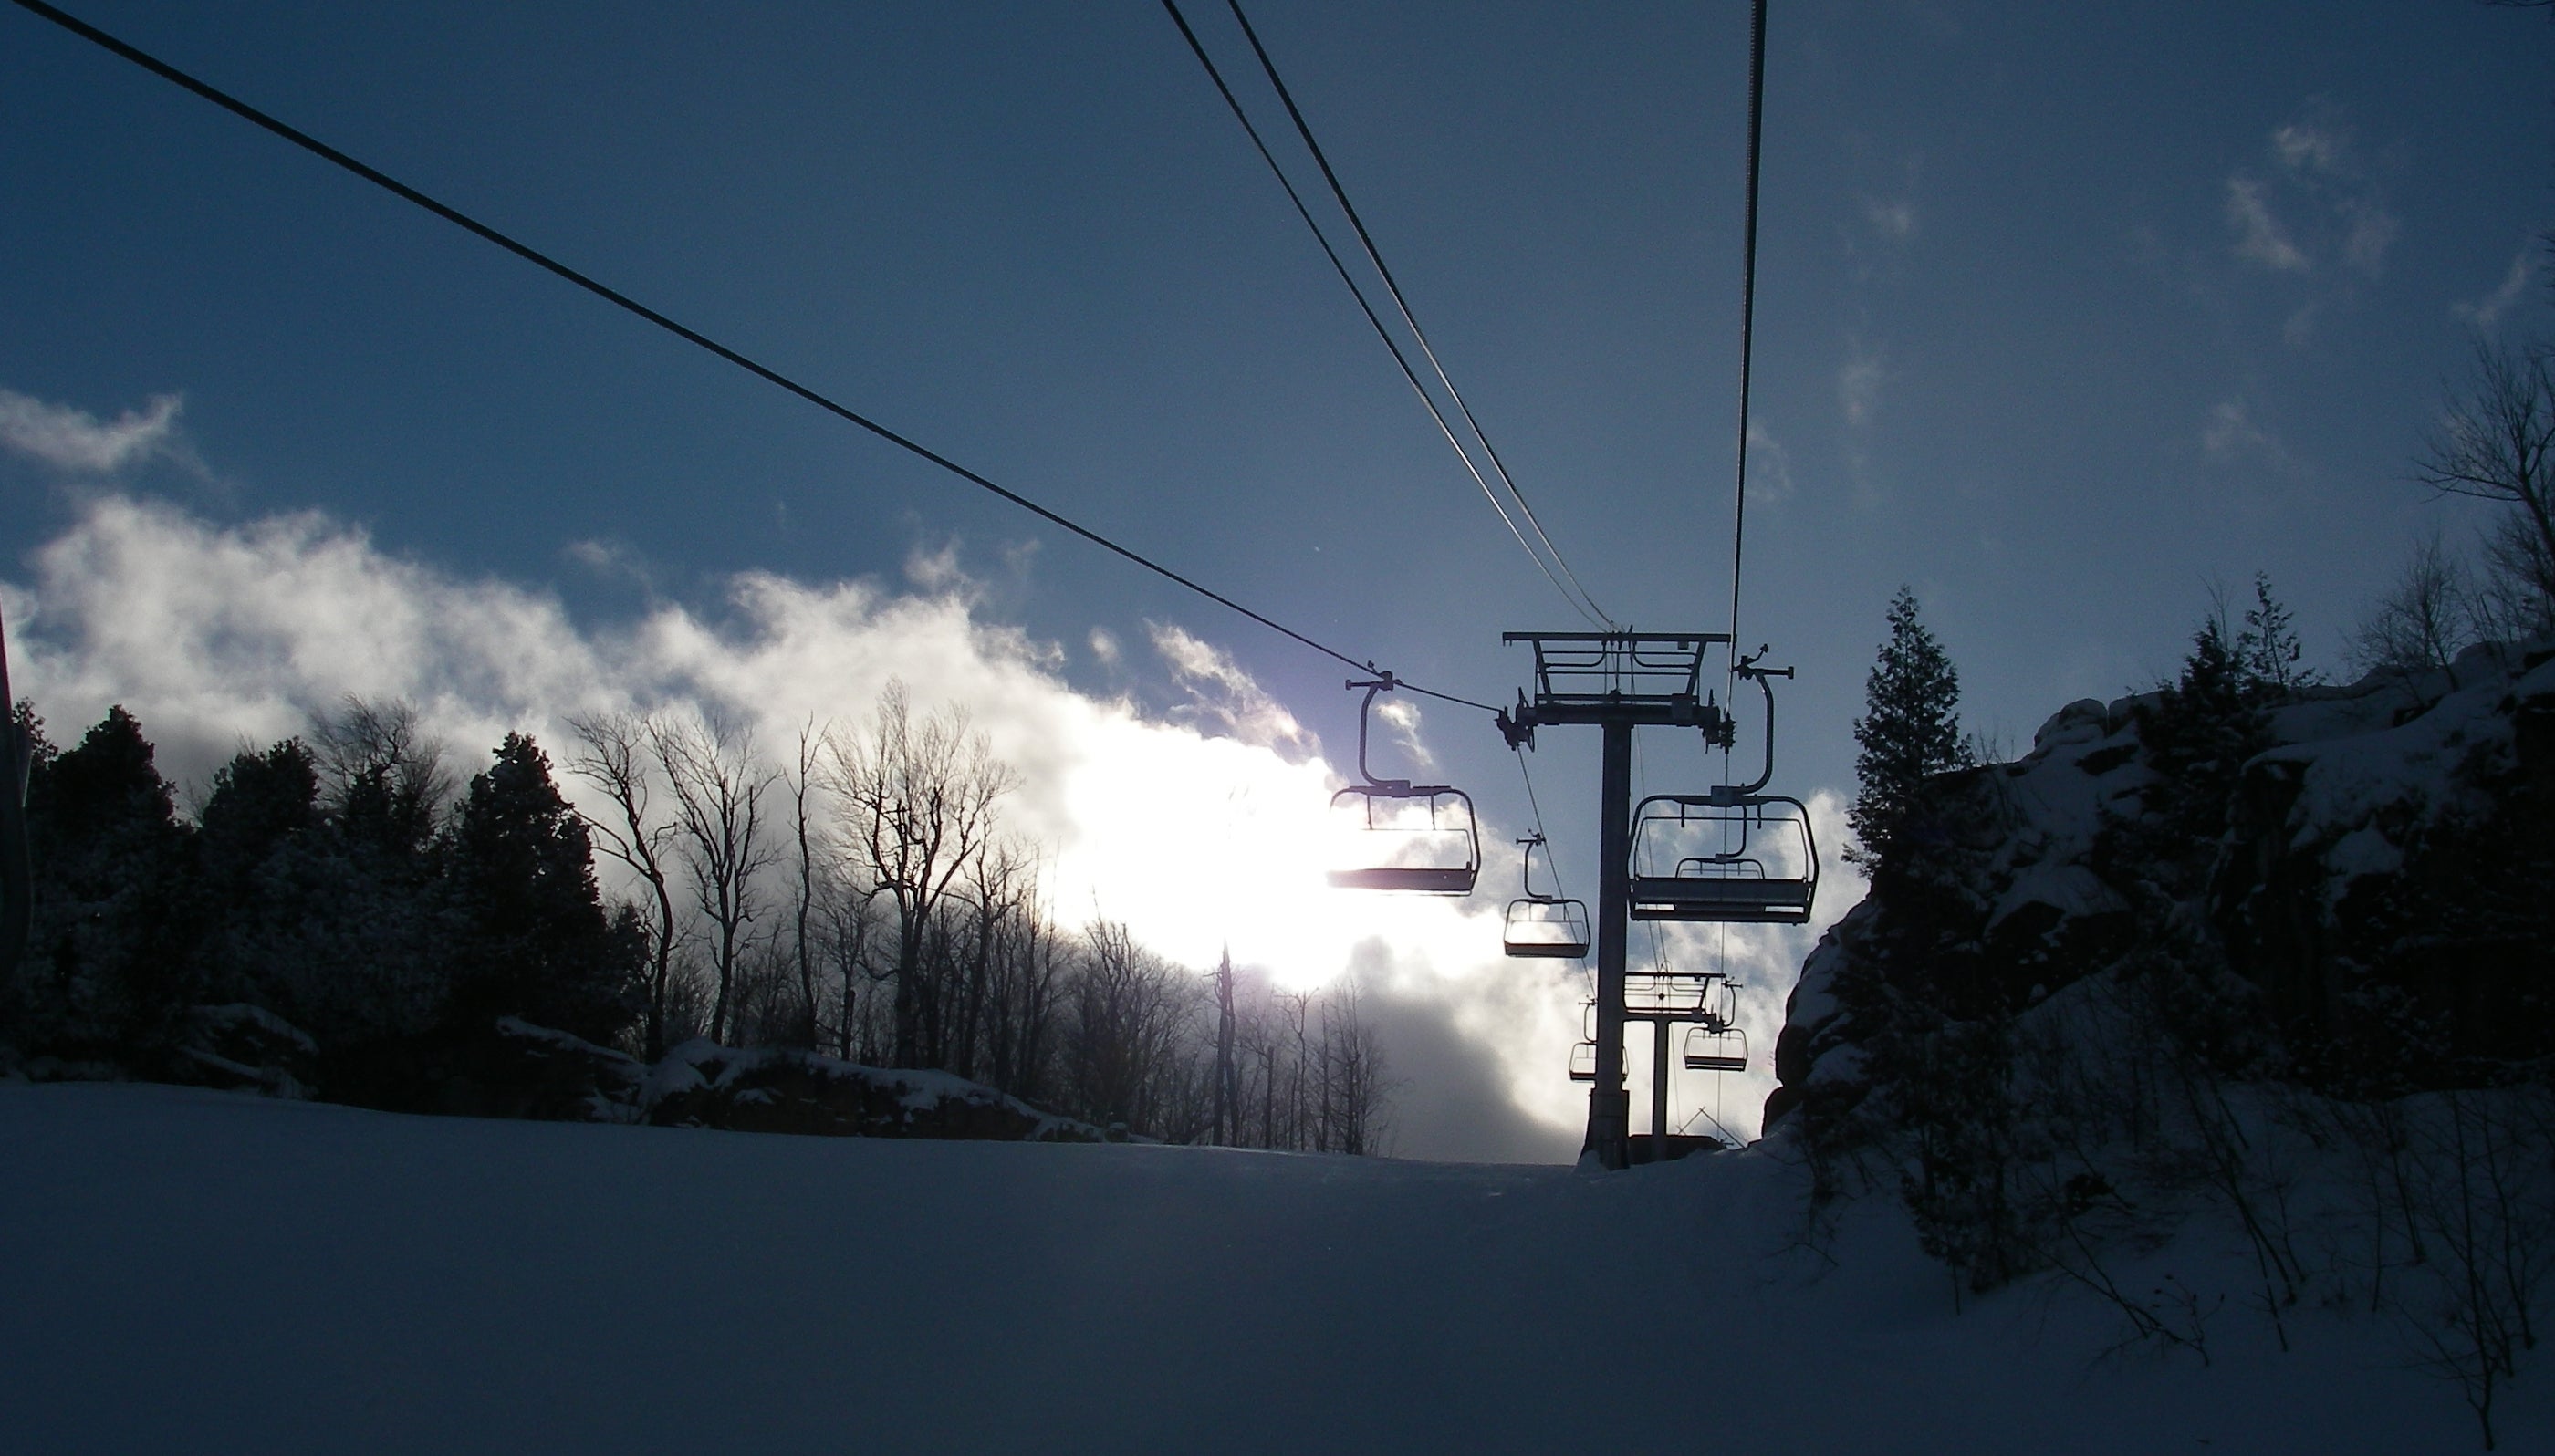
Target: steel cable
(541, 259)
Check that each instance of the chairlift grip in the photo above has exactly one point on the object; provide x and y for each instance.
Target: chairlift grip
(1724, 793)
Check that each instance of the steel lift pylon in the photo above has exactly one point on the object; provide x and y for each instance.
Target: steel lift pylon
(1616, 682)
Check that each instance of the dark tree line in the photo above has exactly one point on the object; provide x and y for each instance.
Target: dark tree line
(859, 899)
(333, 883)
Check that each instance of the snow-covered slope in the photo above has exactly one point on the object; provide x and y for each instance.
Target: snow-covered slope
(193, 1271)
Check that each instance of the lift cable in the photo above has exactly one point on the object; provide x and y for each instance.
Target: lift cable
(1375, 257)
(1747, 308)
(1573, 593)
(1562, 890)
(622, 301)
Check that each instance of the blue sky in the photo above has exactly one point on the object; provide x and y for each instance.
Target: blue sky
(2065, 313)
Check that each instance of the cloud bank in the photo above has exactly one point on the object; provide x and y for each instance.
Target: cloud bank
(1200, 825)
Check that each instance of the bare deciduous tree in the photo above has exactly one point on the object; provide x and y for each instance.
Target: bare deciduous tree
(1130, 1011)
(920, 796)
(719, 782)
(2496, 443)
(377, 764)
(614, 759)
(2423, 621)
(810, 856)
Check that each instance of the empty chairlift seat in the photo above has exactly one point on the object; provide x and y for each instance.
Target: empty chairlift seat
(1583, 1061)
(1716, 1050)
(1542, 926)
(1732, 858)
(1396, 836)
(1393, 834)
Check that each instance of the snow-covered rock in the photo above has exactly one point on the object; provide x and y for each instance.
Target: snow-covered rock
(2392, 840)
(241, 1046)
(772, 1089)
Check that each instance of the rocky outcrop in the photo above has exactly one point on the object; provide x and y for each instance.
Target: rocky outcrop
(520, 1070)
(244, 1046)
(513, 1069)
(2392, 848)
(701, 1084)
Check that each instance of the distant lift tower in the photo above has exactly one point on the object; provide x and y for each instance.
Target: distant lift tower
(1618, 682)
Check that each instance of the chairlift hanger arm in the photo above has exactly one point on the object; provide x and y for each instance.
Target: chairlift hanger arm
(1765, 680)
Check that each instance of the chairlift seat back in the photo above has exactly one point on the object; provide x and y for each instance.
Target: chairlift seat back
(1414, 838)
(1544, 928)
(1710, 1051)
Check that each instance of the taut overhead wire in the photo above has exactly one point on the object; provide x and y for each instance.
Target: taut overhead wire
(1366, 241)
(1573, 593)
(619, 300)
(1746, 308)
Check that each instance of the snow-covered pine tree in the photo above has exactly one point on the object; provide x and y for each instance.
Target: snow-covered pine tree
(107, 964)
(1910, 730)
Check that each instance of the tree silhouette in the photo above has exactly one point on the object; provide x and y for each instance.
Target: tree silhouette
(1910, 730)
(536, 942)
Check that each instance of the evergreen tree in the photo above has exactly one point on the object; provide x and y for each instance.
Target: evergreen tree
(107, 963)
(537, 942)
(2267, 652)
(2197, 734)
(285, 904)
(1910, 731)
(259, 802)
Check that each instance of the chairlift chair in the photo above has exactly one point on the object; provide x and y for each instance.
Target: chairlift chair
(1393, 834)
(1734, 855)
(1716, 1050)
(1757, 861)
(1583, 1061)
(1545, 927)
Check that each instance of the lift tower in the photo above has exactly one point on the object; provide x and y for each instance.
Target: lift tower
(1618, 682)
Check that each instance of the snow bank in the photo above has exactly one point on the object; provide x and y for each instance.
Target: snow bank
(201, 1271)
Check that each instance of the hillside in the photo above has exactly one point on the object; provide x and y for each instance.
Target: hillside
(2268, 958)
(202, 1271)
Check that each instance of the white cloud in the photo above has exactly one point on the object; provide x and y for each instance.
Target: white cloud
(1221, 693)
(1892, 220)
(2307, 147)
(1859, 382)
(1200, 828)
(2372, 231)
(2259, 235)
(1772, 479)
(2486, 311)
(2232, 435)
(75, 440)
(612, 560)
(936, 570)
(2317, 201)
(1104, 647)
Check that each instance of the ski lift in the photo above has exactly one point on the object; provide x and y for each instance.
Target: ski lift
(1393, 834)
(1543, 926)
(1714, 1047)
(1583, 1061)
(1667, 993)
(1733, 855)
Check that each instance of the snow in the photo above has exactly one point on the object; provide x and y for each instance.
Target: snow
(2070, 889)
(200, 1270)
